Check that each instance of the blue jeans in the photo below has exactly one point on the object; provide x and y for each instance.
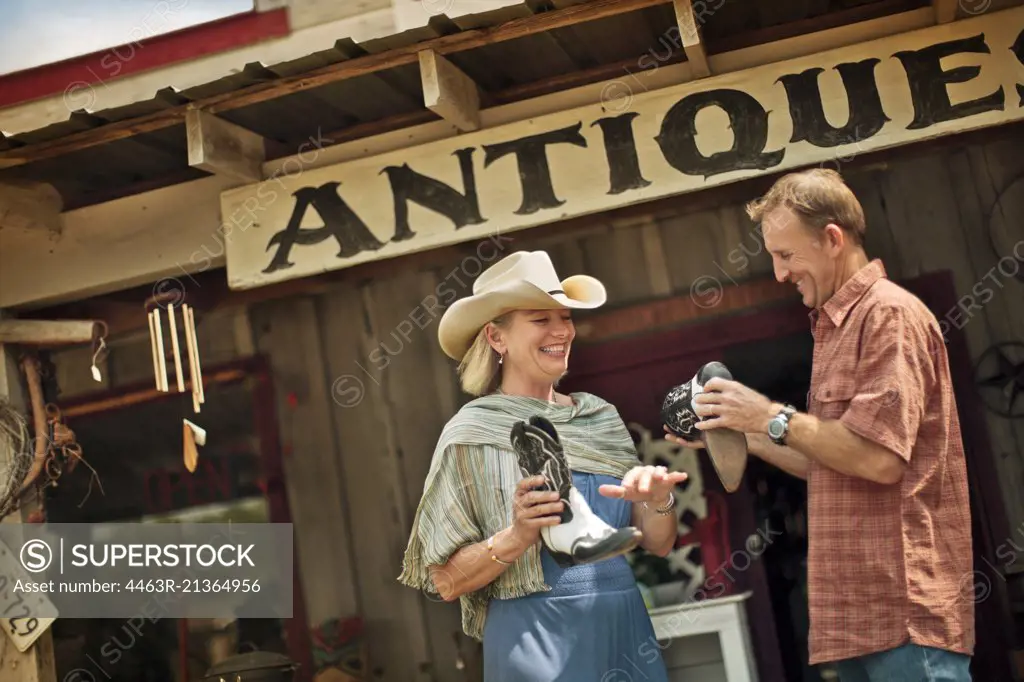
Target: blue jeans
(907, 663)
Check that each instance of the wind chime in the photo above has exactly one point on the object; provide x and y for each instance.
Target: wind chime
(192, 434)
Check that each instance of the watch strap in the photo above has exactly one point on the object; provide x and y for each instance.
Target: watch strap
(785, 413)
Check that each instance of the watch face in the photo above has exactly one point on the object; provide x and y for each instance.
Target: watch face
(774, 428)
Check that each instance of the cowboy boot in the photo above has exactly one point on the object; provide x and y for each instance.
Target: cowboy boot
(582, 537)
(727, 449)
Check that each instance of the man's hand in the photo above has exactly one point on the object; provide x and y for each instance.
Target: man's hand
(732, 405)
(692, 444)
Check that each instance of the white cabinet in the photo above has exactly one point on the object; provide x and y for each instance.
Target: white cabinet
(686, 634)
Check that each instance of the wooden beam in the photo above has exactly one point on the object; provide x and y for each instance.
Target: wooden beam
(223, 148)
(37, 664)
(945, 10)
(46, 333)
(360, 66)
(121, 399)
(30, 205)
(690, 35)
(449, 92)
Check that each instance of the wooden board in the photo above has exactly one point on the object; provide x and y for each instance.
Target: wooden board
(404, 356)
(659, 143)
(374, 484)
(290, 338)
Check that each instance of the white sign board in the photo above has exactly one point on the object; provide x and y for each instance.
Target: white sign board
(820, 109)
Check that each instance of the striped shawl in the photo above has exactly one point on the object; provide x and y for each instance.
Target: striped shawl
(472, 477)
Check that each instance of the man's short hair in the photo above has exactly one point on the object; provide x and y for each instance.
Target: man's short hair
(819, 196)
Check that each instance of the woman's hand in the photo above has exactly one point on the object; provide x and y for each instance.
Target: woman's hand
(645, 484)
(533, 510)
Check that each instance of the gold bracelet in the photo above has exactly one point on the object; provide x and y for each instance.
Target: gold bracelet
(490, 548)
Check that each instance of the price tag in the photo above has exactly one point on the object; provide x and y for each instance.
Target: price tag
(15, 607)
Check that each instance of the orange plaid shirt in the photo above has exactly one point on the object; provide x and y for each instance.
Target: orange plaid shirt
(887, 563)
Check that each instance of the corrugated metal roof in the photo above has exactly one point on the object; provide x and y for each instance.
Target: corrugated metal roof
(152, 159)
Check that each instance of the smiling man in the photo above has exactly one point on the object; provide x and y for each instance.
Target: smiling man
(880, 448)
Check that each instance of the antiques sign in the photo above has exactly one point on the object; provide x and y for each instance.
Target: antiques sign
(813, 110)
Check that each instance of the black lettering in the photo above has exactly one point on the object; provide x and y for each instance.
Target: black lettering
(866, 115)
(1018, 51)
(620, 148)
(408, 185)
(928, 81)
(748, 121)
(534, 171)
(340, 222)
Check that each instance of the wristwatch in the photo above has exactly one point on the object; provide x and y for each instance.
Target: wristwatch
(778, 427)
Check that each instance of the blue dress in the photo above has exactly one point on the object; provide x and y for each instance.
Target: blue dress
(592, 626)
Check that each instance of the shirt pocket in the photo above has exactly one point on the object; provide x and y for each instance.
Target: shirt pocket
(833, 398)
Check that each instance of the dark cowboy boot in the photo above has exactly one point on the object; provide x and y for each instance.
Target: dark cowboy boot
(726, 448)
(582, 537)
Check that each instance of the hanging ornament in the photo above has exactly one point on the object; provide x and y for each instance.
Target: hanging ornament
(187, 326)
(99, 348)
(193, 436)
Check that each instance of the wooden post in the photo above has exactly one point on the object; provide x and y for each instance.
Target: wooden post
(945, 10)
(690, 35)
(37, 664)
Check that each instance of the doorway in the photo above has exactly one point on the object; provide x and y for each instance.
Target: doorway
(132, 438)
(770, 349)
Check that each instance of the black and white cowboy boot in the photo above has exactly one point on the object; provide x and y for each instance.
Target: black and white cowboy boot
(727, 449)
(582, 537)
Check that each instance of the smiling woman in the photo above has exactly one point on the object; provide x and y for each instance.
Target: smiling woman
(534, 497)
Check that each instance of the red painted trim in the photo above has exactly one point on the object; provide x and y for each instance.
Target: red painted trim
(79, 78)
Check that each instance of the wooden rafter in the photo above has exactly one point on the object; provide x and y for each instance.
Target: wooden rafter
(449, 92)
(47, 332)
(359, 66)
(690, 36)
(27, 206)
(223, 148)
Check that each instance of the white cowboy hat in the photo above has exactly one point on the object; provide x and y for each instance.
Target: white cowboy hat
(524, 280)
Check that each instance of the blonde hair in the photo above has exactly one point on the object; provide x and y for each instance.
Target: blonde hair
(479, 372)
(819, 196)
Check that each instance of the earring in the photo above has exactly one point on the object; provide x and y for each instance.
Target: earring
(501, 358)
